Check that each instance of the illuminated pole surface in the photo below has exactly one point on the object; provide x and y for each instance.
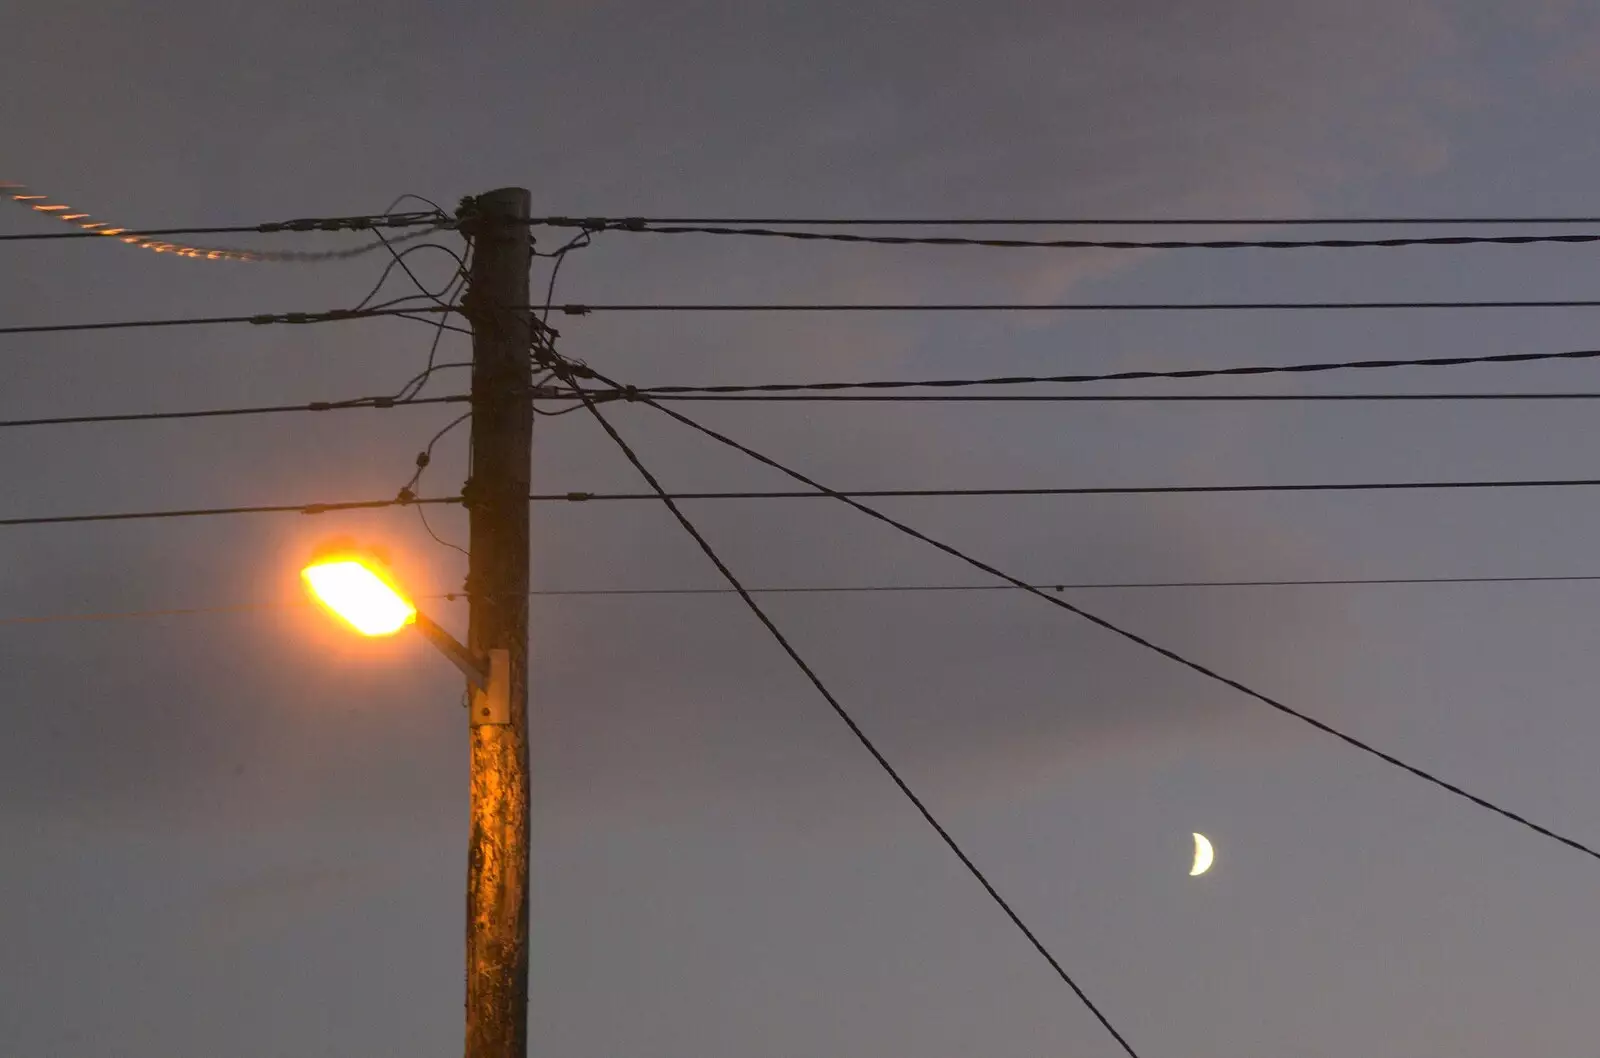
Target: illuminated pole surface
(497, 584)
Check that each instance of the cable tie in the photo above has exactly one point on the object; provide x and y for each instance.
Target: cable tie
(579, 497)
(314, 508)
(264, 319)
(382, 402)
(574, 310)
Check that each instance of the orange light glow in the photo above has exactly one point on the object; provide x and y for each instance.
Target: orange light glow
(43, 204)
(356, 589)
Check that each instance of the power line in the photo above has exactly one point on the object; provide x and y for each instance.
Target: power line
(844, 589)
(1135, 638)
(210, 413)
(259, 319)
(578, 496)
(208, 512)
(1099, 244)
(155, 239)
(1119, 306)
(1083, 490)
(601, 222)
(124, 615)
(859, 589)
(584, 310)
(1109, 398)
(843, 714)
(633, 393)
(381, 403)
(327, 224)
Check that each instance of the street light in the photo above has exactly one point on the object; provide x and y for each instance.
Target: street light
(356, 587)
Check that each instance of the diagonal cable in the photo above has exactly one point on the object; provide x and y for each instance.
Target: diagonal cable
(1132, 637)
(843, 714)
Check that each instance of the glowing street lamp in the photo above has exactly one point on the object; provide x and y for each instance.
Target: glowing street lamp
(352, 587)
(357, 588)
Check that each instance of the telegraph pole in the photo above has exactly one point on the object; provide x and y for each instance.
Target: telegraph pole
(496, 496)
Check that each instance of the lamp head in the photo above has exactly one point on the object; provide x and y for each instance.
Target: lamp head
(356, 587)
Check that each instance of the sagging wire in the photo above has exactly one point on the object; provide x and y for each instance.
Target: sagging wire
(452, 295)
(24, 196)
(446, 299)
(407, 495)
(400, 262)
(578, 242)
(544, 336)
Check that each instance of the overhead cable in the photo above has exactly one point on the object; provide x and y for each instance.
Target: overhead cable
(783, 398)
(584, 310)
(209, 512)
(1133, 637)
(1118, 376)
(259, 319)
(600, 222)
(804, 235)
(579, 496)
(577, 309)
(1117, 398)
(845, 589)
(157, 240)
(1080, 490)
(213, 413)
(850, 722)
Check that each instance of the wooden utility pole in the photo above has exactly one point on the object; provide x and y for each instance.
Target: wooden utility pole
(496, 496)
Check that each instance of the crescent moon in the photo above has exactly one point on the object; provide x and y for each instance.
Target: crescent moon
(1204, 856)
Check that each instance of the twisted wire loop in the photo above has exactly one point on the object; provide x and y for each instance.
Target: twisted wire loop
(22, 195)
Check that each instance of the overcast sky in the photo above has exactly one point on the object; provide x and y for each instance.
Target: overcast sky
(243, 834)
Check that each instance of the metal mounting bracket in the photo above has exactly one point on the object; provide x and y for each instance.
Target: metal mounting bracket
(491, 705)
